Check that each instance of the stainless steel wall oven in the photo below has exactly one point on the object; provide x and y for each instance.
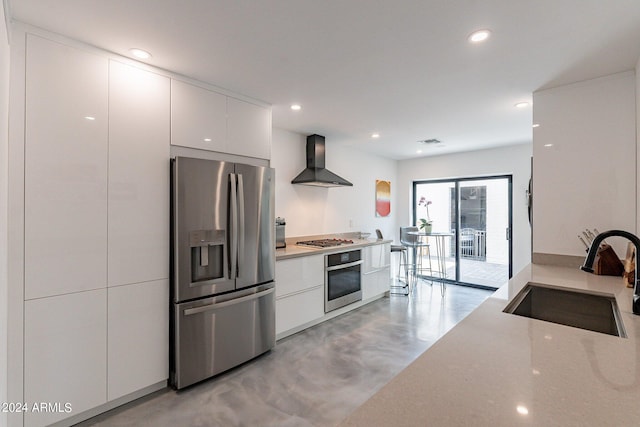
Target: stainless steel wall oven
(342, 279)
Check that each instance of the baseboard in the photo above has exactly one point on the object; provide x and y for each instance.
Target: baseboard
(93, 412)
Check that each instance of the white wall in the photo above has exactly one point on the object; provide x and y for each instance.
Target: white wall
(513, 160)
(315, 210)
(588, 177)
(4, 140)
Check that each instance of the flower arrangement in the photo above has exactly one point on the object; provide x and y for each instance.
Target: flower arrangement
(425, 223)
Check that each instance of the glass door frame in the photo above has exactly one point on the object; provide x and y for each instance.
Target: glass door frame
(456, 182)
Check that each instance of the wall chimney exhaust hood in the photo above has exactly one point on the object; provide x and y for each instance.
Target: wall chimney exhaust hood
(315, 174)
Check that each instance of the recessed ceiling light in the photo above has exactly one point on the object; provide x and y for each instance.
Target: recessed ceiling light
(207, 140)
(522, 410)
(535, 125)
(523, 104)
(89, 117)
(479, 36)
(296, 107)
(548, 145)
(418, 151)
(139, 53)
(375, 135)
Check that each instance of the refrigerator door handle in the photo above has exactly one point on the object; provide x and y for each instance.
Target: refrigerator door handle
(217, 306)
(233, 238)
(240, 232)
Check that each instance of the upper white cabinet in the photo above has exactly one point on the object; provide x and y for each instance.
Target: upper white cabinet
(65, 169)
(249, 129)
(198, 117)
(584, 162)
(138, 175)
(207, 120)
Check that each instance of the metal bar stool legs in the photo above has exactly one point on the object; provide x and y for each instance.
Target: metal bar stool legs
(406, 288)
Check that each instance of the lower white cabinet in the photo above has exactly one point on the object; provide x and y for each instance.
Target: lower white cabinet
(65, 351)
(297, 274)
(299, 291)
(375, 283)
(138, 332)
(376, 270)
(299, 309)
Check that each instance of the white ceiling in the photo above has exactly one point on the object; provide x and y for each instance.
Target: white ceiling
(401, 68)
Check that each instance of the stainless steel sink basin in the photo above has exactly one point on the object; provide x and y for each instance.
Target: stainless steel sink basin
(579, 309)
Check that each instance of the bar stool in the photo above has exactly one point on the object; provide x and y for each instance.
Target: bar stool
(418, 248)
(402, 251)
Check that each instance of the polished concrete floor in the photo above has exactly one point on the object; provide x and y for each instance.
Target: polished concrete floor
(316, 377)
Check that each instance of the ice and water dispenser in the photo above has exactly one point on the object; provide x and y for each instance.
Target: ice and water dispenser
(207, 255)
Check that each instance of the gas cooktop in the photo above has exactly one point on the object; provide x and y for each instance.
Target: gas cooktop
(325, 243)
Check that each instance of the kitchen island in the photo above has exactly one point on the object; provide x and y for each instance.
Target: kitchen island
(499, 369)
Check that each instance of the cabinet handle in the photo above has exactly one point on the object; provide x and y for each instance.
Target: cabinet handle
(341, 266)
(219, 305)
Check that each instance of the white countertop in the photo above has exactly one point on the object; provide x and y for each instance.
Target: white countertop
(493, 364)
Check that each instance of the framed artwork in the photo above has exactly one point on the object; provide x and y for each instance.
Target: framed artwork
(383, 198)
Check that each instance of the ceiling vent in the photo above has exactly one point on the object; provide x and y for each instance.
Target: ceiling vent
(430, 141)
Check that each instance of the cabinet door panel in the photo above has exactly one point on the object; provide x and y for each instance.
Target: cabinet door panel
(297, 274)
(138, 175)
(248, 129)
(296, 310)
(198, 117)
(65, 350)
(65, 169)
(138, 323)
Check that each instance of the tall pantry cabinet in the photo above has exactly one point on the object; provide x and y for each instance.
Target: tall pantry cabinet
(96, 199)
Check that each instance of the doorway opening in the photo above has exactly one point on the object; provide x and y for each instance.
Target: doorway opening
(476, 216)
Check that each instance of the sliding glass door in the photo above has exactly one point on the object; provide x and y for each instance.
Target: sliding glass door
(475, 214)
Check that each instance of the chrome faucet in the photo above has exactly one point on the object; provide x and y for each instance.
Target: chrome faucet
(593, 250)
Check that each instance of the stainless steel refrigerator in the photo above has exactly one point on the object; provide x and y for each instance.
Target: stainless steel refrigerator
(223, 267)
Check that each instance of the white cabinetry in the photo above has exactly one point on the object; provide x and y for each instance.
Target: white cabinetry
(299, 291)
(97, 136)
(198, 117)
(207, 120)
(138, 325)
(138, 175)
(583, 157)
(248, 129)
(65, 170)
(65, 353)
(138, 336)
(376, 270)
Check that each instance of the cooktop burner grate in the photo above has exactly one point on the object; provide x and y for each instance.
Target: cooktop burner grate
(325, 243)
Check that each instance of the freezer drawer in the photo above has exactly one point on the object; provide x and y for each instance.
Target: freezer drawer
(215, 334)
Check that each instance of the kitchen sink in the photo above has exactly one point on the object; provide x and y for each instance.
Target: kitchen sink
(579, 309)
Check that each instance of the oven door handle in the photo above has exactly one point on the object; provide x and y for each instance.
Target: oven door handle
(341, 266)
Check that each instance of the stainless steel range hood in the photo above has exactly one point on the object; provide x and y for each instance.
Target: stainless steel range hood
(315, 174)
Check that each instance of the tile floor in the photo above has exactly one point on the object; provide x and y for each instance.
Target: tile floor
(316, 377)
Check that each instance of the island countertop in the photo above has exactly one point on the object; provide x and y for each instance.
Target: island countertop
(499, 369)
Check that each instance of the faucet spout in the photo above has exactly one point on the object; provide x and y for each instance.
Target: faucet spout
(593, 251)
